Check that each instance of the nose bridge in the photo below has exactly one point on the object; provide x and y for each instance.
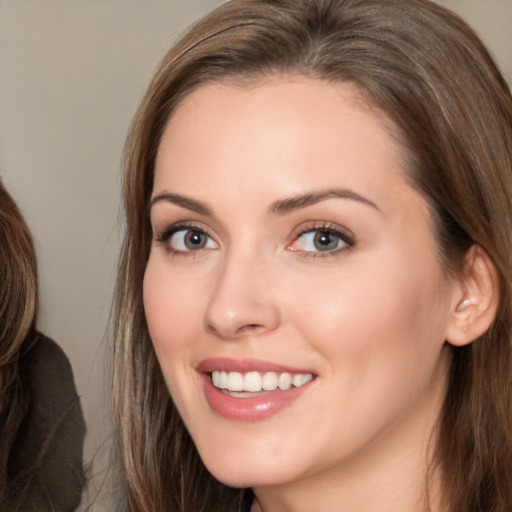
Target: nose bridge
(242, 301)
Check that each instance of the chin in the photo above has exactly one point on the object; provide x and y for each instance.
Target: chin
(242, 474)
(246, 479)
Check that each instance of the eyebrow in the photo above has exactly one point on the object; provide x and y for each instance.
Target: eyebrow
(184, 202)
(278, 208)
(291, 204)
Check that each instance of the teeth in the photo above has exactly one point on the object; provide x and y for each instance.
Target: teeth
(297, 380)
(252, 381)
(269, 381)
(285, 381)
(301, 378)
(255, 381)
(223, 380)
(235, 381)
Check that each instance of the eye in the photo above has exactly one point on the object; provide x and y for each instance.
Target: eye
(321, 240)
(191, 240)
(186, 239)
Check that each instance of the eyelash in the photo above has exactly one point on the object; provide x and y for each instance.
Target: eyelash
(324, 227)
(164, 237)
(346, 238)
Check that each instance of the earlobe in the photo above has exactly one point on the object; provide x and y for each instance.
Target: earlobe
(476, 301)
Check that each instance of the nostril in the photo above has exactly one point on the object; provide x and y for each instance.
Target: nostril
(240, 331)
(250, 328)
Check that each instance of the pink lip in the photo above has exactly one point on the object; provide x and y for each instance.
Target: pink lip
(245, 365)
(252, 408)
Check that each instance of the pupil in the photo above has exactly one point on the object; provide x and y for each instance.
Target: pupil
(325, 241)
(195, 240)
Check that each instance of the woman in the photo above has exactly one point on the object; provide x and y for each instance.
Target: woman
(313, 302)
(42, 428)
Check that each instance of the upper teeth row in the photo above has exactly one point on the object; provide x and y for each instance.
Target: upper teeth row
(254, 381)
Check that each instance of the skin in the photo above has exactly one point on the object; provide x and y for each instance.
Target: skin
(370, 319)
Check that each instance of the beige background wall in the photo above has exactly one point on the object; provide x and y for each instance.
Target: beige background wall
(71, 74)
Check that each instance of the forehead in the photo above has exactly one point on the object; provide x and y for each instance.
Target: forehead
(212, 97)
(285, 117)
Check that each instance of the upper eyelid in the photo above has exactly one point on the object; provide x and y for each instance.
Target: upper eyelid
(173, 228)
(306, 227)
(161, 220)
(336, 231)
(181, 224)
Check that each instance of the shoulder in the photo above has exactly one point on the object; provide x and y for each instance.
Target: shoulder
(47, 458)
(46, 362)
(46, 373)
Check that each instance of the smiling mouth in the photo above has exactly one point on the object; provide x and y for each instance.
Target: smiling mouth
(236, 383)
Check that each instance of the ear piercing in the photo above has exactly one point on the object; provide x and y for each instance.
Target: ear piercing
(465, 303)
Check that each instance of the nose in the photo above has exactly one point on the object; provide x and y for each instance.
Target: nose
(243, 302)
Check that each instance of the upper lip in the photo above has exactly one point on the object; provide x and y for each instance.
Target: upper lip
(245, 365)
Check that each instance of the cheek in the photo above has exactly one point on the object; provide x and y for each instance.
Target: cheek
(172, 312)
(377, 318)
(171, 308)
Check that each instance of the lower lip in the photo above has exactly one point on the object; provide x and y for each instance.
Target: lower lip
(252, 408)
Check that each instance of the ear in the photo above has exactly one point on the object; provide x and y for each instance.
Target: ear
(476, 299)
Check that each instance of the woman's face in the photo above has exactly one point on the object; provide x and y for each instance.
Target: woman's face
(294, 267)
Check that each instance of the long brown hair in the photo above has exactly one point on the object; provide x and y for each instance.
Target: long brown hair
(427, 71)
(19, 302)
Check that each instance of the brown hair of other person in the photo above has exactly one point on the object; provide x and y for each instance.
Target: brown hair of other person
(19, 304)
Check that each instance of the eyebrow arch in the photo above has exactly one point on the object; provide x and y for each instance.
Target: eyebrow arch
(291, 204)
(184, 202)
